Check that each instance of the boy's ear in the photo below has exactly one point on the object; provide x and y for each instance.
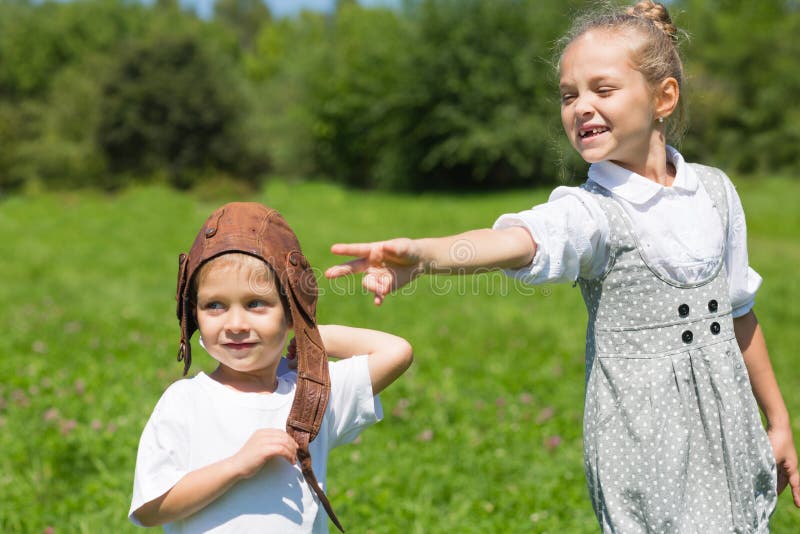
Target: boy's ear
(667, 96)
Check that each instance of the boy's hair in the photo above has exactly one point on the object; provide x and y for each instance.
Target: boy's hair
(261, 276)
(656, 54)
(256, 230)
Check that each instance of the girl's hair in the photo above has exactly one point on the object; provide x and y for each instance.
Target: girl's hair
(262, 277)
(655, 53)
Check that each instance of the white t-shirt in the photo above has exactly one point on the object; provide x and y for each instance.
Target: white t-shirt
(198, 421)
(677, 226)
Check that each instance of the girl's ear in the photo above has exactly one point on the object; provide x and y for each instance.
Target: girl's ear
(667, 95)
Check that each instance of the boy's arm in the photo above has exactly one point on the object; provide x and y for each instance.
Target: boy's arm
(388, 356)
(765, 388)
(201, 487)
(388, 265)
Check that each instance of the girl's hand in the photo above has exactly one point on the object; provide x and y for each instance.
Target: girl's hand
(387, 265)
(263, 445)
(786, 461)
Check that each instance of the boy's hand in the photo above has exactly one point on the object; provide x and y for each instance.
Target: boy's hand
(786, 461)
(263, 445)
(387, 265)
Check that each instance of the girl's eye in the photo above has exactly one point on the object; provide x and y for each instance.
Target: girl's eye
(257, 304)
(213, 306)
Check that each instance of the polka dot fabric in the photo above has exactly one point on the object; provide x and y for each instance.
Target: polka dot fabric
(673, 440)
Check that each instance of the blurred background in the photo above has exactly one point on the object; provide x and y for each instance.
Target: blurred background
(123, 124)
(388, 94)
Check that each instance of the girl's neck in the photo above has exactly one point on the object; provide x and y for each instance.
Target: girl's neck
(656, 166)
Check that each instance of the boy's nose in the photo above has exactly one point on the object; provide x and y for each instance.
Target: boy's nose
(237, 320)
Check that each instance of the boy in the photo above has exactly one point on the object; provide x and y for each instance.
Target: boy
(214, 455)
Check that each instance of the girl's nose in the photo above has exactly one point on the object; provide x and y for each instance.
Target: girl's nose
(583, 107)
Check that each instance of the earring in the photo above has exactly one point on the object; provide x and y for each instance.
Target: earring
(660, 120)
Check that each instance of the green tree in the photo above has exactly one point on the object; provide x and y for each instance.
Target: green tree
(174, 105)
(455, 94)
(38, 40)
(743, 76)
(245, 17)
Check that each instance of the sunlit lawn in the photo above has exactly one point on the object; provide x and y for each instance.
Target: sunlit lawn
(483, 434)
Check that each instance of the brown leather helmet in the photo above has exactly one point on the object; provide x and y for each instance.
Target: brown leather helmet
(254, 229)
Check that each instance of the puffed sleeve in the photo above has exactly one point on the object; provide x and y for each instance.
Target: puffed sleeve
(351, 406)
(743, 281)
(161, 458)
(571, 235)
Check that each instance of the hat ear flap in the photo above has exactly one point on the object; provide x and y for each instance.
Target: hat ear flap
(184, 317)
(183, 264)
(302, 285)
(313, 380)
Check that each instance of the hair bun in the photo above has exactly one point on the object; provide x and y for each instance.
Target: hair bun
(655, 13)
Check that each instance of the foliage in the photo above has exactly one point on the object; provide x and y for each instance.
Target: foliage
(245, 17)
(482, 434)
(160, 109)
(742, 72)
(435, 94)
(38, 40)
(287, 54)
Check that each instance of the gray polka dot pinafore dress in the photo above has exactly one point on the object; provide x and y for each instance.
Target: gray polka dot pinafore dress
(673, 439)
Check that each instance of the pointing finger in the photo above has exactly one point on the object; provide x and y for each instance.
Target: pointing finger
(344, 269)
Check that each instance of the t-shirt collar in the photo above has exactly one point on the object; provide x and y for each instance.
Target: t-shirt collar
(637, 189)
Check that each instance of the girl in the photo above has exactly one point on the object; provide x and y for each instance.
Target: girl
(676, 362)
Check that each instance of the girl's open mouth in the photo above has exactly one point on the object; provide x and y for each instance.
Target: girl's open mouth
(592, 132)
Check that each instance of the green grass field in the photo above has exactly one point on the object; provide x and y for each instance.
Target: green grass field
(483, 434)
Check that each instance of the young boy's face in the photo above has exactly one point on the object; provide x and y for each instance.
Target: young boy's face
(241, 318)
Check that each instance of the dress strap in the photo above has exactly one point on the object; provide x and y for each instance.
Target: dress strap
(620, 234)
(713, 181)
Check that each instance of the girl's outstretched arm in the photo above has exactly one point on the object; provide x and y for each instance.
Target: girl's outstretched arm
(389, 265)
(765, 388)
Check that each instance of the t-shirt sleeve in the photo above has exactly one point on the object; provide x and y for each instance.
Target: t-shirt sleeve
(571, 234)
(161, 458)
(351, 405)
(743, 281)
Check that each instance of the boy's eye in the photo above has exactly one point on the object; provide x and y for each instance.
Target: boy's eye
(566, 98)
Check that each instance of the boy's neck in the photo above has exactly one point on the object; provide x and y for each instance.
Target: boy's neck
(261, 381)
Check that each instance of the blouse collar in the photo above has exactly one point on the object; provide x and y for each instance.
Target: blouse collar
(637, 189)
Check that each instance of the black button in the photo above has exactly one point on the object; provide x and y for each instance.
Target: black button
(712, 306)
(687, 336)
(683, 310)
(715, 328)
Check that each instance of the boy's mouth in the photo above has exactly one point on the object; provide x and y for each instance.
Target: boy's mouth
(239, 346)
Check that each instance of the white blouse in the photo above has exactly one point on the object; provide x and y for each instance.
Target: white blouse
(678, 227)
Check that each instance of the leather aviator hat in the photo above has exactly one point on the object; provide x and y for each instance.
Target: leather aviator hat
(254, 229)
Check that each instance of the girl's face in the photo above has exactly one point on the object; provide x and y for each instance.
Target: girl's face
(607, 106)
(242, 321)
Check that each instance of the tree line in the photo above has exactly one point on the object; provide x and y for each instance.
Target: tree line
(436, 94)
